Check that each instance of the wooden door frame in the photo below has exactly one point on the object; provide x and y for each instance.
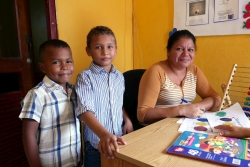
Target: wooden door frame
(51, 19)
(11, 125)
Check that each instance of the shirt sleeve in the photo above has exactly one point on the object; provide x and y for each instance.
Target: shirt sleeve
(149, 89)
(32, 106)
(85, 94)
(203, 87)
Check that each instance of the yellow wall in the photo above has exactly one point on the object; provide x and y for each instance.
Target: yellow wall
(142, 40)
(76, 18)
(153, 20)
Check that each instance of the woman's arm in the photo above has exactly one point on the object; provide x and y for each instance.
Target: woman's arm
(210, 98)
(188, 110)
(149, 89)
(155, 114)
(209, 103)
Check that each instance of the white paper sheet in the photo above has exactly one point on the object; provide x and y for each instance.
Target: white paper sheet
(197, 12)
(195, 125)
(226, 10)
(233, 115)
(200, 26)
(180, 121)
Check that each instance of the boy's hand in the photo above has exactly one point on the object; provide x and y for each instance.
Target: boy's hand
(128, 127)
(232, 131)
(107, 142)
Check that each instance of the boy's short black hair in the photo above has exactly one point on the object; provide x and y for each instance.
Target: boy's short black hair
(180, 34)
(99, 30)
(57, 43)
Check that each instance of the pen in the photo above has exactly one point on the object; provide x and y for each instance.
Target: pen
(183, 100)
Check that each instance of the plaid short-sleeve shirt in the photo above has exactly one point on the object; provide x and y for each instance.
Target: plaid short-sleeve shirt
(58, 134)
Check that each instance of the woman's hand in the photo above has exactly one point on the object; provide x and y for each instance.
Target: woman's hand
(191, 110)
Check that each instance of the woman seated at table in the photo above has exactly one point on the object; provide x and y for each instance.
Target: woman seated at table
(168, 84)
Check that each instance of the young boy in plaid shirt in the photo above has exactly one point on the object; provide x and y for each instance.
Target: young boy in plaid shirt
(51, 132)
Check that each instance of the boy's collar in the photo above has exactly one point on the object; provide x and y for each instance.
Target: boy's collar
(49, 84)
(98, 69)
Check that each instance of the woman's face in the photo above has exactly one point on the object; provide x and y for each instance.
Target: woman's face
(182, 53)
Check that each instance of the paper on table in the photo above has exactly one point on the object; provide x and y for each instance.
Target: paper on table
(195, 125)
(180, 120)
(233, 115)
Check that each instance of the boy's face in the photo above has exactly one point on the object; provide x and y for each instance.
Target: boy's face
(57, 64)
(103, 50)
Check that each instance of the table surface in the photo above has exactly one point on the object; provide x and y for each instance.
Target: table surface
(147, 147)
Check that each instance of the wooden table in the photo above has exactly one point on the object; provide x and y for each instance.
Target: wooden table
(146, 147)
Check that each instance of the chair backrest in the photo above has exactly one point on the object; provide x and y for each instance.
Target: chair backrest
(130, 99)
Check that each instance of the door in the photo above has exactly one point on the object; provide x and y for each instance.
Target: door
(17, 72)
(17, 77)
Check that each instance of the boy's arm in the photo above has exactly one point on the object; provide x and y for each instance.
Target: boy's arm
(128, 126)
(234, 131)
(107, 139)
(30, 143)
